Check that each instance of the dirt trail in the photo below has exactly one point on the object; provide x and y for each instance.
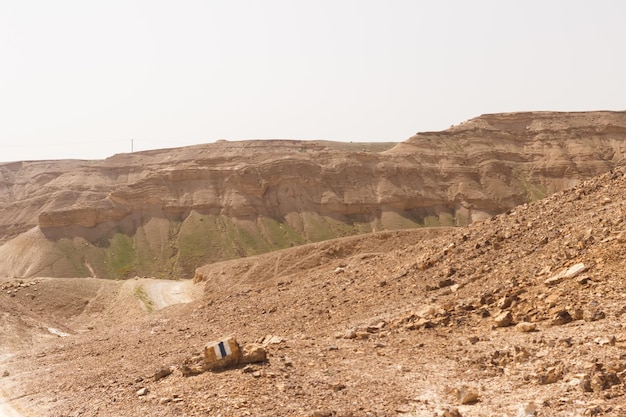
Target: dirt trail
(164, 293)
(6, 409)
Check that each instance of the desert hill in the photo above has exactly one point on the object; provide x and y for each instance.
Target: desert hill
(163, 213)
(519, 314)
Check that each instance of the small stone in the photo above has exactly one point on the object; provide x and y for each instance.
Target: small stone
(253, 353)
(553, 280)
(376, 327)
(572, 272)
(594, 411)
(525, 327)
(404, 409)
(576, 270)
(162, 373)
(473, 340)
(503, 319)
(321, 413)
(362, 334)
(562, 317)
(505, 302)
(527, 410)
(446, 283)
(450, 412)
(583, 279)
(585, 384)
(350, 334)
(450, 271)
(5, 374)
(338, 387)
(142, 391)
(595, 315)
(193, 366)
(427, 312)
(467, 395)
(578, 314)
(550, 376)
(601, 381)
(423, 324)
(602, 341)
(165, 400)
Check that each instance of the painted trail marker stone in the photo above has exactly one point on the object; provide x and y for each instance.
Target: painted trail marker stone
(222, 354)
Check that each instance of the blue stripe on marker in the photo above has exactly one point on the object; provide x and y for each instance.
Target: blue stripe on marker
(222, 349)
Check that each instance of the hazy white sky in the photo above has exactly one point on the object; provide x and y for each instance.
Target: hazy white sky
(80, 79)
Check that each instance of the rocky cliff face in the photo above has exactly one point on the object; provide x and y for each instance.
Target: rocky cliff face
(165, 212)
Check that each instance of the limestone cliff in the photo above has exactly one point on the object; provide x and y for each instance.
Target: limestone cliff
(165, 212)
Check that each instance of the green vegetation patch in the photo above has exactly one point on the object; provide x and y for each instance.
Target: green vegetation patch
(431, 221)
(392, 220)
(535, 191)
(141, 295)
(73, 255)
(121, 256)
(279, 235)
(316, 229)
(446, 220)
(204, 238)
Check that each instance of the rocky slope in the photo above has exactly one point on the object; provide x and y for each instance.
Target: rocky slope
(519, 314)
(162, 213)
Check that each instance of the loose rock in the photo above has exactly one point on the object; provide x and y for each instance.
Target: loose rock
(162, 373)
(253, 353)
(504, 319)
(562, 317)
(321, 413)
(525, 327)
(466, 395)
(451, 412)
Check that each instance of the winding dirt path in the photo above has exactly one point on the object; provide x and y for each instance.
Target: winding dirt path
(165, 293)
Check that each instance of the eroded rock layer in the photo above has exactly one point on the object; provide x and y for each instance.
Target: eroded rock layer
(165, 212)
